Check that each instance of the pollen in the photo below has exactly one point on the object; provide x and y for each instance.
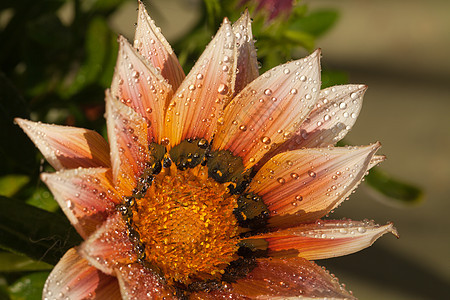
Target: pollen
(187, 226)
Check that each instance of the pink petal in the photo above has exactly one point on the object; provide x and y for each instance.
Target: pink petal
(311, 182)
(331, 119)
(127, 133)
(198, 103)
(247, 65)
(74, 278)
(67, 147)
(154, 47)
(293, 277)
(325, 238)
(269, 110)
(109, 247)
(137, 282)
(86, 196)
(139, 85)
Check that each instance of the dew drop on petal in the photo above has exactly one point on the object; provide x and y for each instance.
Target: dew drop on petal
(222, 89)
(268, 92)
(266, 140)
(312, 174)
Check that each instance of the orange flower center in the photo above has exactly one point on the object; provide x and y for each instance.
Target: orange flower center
(187, 225)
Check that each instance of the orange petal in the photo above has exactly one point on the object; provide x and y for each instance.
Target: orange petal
(74, 278)
(198, 103)
(247, 64)
(139, 85)
(127, 133)
(154, 47)
(109, 246)
(137, 282)
(85, 195)
(331, 119)
(311, 182)
(325, 238)
(289, 278)
(67, 147)
(269, 110)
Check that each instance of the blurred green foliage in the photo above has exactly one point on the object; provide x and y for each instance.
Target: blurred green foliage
(56, 60)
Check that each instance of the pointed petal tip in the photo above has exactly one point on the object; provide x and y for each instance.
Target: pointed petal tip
(19, 121)
(392, 229)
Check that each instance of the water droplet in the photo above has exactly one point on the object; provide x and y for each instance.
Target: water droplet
(299, 197)
(286, 71)
(294, 175)
(281, 180)
(243, 127)
(293, 91)
(222, 89)
(191, 87)
(199, 76)
(343, 105)
(268, 92)
(354, 95)
(303, 78)
(312, 174)
(266, 140)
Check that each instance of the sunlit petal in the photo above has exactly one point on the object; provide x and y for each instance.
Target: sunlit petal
(141, 86)
(286, 278)
(109, 247)
(269, 110)
(137, 282)
(323, 239)
(154, 47)
(331, 119)
(198, 103)
(67, 147)
(86, 196)
(311, 182)
(247, 64)
(127, 133)
(74, 278)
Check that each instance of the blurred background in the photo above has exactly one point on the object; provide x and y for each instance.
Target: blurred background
(57, 58)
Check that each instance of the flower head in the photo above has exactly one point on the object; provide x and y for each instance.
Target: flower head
(212, 184)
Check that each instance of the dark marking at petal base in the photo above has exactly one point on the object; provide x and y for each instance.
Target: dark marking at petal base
(251, 212)
(189, 153)
(223, 167)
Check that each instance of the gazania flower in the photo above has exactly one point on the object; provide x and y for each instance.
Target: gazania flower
(213, 184)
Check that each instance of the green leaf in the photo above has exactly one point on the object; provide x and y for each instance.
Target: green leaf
(28, 287)
(300, 38)
(330, 78)
(97, 51)
(11, 184)
(34, 232)
(10, 262)
(316, 23)
(43, 199)
(395, 190)
(213, 10)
